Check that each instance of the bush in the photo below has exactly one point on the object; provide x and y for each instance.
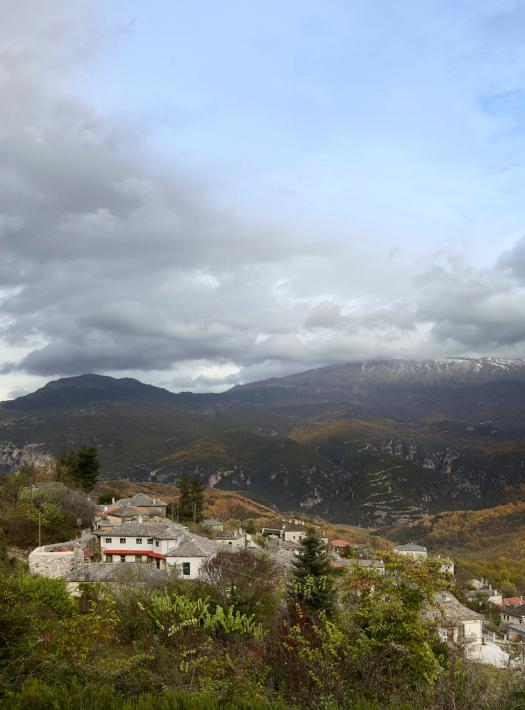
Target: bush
(36, 695)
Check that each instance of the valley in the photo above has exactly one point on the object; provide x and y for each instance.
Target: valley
(373, 444)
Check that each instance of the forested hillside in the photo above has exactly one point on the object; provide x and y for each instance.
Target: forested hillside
(371, 444)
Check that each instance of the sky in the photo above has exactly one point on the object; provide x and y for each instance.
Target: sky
(203, 194)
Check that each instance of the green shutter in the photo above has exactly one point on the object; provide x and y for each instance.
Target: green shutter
(185, 568)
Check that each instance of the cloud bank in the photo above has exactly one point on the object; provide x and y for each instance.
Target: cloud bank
(110, 263)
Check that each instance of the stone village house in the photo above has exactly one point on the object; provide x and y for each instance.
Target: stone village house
(164, 545)
(288, 532)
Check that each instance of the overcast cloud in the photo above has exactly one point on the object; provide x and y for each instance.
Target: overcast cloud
(115, 259)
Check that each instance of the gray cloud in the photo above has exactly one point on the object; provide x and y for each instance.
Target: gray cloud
(110, 264)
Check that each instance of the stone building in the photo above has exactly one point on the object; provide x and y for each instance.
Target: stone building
(59, 559)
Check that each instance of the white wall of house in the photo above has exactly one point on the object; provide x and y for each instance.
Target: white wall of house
(233, 543)
(496, 599)
(128, 558)
(115, 542)
(463, 632)
(293, 535)
(139, 546)
(193, 564)
(473, 630)
(511, 619)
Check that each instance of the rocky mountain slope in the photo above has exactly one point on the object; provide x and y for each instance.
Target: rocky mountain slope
(369, 443)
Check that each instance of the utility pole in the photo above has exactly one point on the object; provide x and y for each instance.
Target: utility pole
(194, 511)
(39, 528)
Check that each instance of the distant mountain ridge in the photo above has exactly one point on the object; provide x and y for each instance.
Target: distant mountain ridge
(380, 442)
(457, 369)
(338, 380)
(87, 389)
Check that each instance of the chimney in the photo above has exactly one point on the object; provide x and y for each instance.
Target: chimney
(105, 508)
(140, 518)
(113, 500)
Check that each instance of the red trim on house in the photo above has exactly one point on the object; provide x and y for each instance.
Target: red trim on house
(148, 553)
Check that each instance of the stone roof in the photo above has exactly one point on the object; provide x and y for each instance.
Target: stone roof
(125, 511)
(449, 611)
(283, 525)
(143, 501)
(228, 535)
(212, 521)
(161, 531)
(112, 572)
(517, 610)
(188, 546)
(410, 547)
(283, 557)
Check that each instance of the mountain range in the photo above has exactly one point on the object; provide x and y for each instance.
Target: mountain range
(374, 443)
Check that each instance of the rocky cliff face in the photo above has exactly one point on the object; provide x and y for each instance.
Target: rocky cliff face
(13, 457)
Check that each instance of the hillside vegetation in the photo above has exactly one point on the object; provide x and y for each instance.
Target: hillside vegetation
(476, 534)
(486, 543)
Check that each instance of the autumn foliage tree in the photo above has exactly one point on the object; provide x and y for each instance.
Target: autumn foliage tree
(249, 580)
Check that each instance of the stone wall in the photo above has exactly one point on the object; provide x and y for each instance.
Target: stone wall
(56, 560)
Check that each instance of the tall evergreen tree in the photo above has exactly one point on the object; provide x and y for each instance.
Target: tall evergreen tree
(80, 466)
(185, 498)
(312, 583)
(197, 498)
(88, 466)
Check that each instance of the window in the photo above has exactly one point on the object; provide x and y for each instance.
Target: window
(122, 558)
(138, 558)
(122, 540)
(109, 540)
(150, 541)
(156, 543)
(138, 540)
(185, 568)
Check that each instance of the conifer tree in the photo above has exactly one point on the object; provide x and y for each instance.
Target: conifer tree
(81, 467)
(87, 467)
(197, 498)
(312, 583)
(185, 498)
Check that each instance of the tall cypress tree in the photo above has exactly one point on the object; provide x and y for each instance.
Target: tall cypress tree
(197, 498)
(185, 498)
(87, 467)
(80, 466)
(312, 583)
